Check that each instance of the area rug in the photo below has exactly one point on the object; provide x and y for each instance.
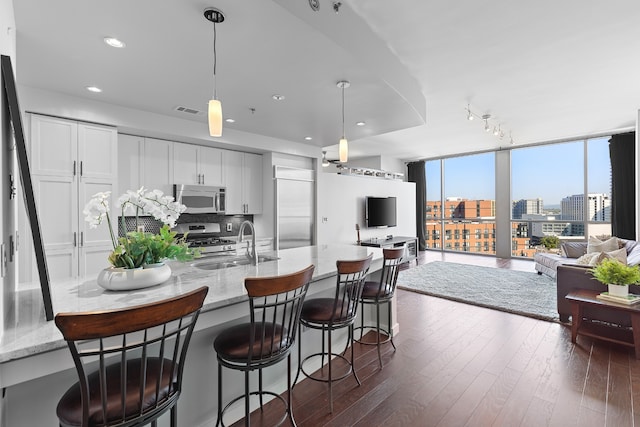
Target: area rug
(519, 292)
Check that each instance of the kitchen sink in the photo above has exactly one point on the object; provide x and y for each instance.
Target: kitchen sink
(216, 263)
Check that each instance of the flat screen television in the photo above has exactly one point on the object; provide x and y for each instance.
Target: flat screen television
(380, 211)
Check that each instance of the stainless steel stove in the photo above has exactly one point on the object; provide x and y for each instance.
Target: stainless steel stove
(206, 237)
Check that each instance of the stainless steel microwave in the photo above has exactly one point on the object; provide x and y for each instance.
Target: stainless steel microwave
(200, 198)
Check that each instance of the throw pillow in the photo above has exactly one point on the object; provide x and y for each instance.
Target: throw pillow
(596, 245)
(574, 249)
(586, 258)
(619, 254)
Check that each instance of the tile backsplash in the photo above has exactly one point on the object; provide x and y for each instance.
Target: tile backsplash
(152, 225)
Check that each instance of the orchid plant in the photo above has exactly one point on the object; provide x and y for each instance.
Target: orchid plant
(138, 248)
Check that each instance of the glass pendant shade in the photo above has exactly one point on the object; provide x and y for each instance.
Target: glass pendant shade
(215, 117)
(343, 149)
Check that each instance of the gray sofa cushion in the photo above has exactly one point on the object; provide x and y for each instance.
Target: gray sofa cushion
(574, 249)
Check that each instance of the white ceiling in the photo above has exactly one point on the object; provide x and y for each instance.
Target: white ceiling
(544, 70)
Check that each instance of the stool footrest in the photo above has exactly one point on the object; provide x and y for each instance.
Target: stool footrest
(256, 393)
(386, 333)
(315, 378)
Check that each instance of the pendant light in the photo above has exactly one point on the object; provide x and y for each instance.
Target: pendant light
(343, 147)
(215, 106)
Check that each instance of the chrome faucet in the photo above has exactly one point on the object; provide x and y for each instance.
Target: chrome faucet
(253, 254)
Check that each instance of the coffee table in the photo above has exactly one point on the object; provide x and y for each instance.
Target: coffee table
(582, 298)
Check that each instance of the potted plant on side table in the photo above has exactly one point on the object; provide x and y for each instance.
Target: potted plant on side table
(616, 275)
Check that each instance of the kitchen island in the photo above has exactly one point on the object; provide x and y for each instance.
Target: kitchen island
(35, 364)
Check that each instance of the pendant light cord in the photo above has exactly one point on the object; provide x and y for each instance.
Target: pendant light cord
(343, 112)
(215, 63)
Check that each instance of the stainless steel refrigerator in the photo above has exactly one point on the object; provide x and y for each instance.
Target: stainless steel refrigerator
(295, 207)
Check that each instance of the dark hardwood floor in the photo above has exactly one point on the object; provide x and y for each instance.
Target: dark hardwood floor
(462, 365)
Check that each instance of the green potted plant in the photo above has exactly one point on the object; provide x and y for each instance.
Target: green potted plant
(138, 249)
(616, 275)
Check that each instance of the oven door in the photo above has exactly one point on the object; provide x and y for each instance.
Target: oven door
(200, 198)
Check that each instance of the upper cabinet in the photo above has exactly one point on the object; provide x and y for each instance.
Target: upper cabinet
(193, 164)
(243, 180)
(145, 162)
(70, 162)
(158, 164)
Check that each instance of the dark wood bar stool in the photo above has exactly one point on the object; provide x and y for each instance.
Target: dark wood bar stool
(274, 305)
(382, 292)
(139, 353)
(329, 314)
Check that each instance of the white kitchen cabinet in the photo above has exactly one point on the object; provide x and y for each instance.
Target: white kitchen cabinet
(130, 155)
(157, 165)
(144, 162)
(70, 162)
(243, 180)
(194, 164)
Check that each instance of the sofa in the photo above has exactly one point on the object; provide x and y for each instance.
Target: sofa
(573, 275)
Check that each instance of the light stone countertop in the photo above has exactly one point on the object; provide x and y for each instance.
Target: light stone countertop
(27, 333)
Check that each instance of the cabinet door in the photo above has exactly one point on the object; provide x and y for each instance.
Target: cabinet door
(57, 204)
(210, 162)
(252, 183)
(54, 146)
(185, 164)
(233, 182)
(158, 165)
(130, 164)
(97, 148)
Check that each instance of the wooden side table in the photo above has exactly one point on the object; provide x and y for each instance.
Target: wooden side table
(583, 298)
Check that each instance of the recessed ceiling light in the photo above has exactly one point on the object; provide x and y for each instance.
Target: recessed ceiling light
(278, 97)
(114, 42)
(308, 138)
(94, 89)
(229, 120)
(360, 123)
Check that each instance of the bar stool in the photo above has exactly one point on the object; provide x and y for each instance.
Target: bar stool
(329, 314)
(274, 306)
(139, 353)
(381, 292)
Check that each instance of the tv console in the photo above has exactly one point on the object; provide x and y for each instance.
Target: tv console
(410, 244)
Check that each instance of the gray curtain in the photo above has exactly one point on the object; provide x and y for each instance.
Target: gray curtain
(622, 153)
(416, 173)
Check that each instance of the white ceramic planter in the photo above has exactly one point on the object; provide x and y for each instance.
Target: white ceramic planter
(619, 290)
(126, 279)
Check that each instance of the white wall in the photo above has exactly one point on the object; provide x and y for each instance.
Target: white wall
(341, 206)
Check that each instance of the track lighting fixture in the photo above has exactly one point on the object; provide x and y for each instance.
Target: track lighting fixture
(486, 118)
(495, 129)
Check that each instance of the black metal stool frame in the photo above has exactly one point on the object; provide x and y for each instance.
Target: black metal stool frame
(382, 292)
(274, 304)
(329, 314)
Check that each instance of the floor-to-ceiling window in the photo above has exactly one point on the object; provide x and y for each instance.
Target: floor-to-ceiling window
(561, 190)
(461, 203)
